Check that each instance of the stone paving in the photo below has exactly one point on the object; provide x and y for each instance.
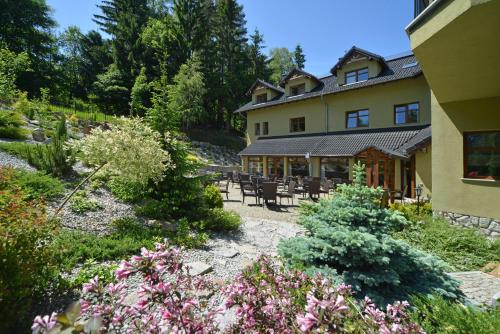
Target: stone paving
(479, 287)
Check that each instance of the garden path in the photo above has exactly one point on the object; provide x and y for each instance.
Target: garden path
(479, 287)
(8, 160)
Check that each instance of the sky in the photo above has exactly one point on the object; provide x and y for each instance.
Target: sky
(325, 29)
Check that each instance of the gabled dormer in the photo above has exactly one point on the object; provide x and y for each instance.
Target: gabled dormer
(262, 92)
(298, 82)
(358, 65)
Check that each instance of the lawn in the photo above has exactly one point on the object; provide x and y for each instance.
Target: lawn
(84, 114)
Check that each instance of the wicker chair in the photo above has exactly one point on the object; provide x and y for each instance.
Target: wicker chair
(314, 188)
(224, 189)
(290, 193)
(269, 192)
(249, 190)
(326, 188)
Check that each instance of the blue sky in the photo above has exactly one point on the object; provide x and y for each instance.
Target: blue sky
(324, 28)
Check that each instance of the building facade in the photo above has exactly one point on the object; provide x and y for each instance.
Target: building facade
(456, 44)
(370, 109)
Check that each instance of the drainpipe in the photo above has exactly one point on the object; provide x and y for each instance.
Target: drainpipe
(326, 111)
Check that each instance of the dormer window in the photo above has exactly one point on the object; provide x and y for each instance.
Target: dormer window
(356, 76)
(261, 98)
(298, 89)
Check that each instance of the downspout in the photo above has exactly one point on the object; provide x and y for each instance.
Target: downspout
(327, 117)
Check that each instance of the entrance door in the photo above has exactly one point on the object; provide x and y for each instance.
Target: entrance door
(379, 169)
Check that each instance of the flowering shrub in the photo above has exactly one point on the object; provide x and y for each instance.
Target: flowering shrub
(166, 300)
(267, 299)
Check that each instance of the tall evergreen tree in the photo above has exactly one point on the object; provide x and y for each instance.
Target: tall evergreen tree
(231, 58)
(189, 31)
(299, 57)
(258, 61)
(26, 26)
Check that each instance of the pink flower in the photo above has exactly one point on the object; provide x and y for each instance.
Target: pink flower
(306, 322)
(44, 324)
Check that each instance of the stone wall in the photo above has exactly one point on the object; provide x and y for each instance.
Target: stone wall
(487, 226)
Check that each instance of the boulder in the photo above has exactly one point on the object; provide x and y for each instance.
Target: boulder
(38, 135)
(198, 268)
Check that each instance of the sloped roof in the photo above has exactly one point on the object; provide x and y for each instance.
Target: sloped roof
(300, 72)
(392, 141)
(396, 70)
(354, 50)
(265, 84)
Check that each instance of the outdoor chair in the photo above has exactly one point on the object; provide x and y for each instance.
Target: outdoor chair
(249, 190)
(244, 177)
(230, 176)
(326, 188)
(269, 192)
(224, 189)
(400, 194)
(290, 193)
(314, 188)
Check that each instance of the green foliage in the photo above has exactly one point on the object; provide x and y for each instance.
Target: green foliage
(80, 203)
(127, 238)
(126, 190)
(218, 219)
(37, 185)
(91, 269)
(25, 106)
(348, 239)
(10, 125)
(413, 212)
(212, 197)
(11, 64)
(463, 248)
(437, 315)
(140, 95)
(281, 63)
(110, 92)
(185, 95)
(299, 57)
(27, 265)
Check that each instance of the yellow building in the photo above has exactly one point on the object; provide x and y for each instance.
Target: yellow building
(370, 108)
(457, 44)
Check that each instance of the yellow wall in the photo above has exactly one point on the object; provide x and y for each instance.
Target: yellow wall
(309, 83)
(374, 69)
(423, 170)
(451, 192)
(380, 100)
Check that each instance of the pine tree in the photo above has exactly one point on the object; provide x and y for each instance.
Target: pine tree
(258, 62)
(231, 58)
(299, 57)
(140, 95)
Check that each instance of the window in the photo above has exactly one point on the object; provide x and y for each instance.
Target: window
(255, 165)
(297, 90)
(482, 155)
(357, 119)
(337, 168)
(257, 129)
(355, 76)
(298, 166)
(298, 124)
(406, 113)
(261, 98)
(265, 128)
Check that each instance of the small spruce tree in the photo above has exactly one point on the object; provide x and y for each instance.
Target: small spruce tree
(349, 239)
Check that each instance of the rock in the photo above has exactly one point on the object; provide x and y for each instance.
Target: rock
(495, 300)
(198, 268)
(495, 235)
(227, 252)
(463, 219)
(38, 135)
(34, 122)
(495, 227)
(131, 299)
(484, 222)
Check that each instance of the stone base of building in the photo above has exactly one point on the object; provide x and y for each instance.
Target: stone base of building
(487, 226)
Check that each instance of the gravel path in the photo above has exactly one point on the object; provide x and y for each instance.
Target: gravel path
(8, 160)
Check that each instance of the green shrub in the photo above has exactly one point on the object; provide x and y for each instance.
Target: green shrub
(348, 239)
(413, 212)
(212, 197)
(28, 268)
(437, 315)
(126, 190)
(24, 106)
(80, 203)
(220, 220)
(38, 185)
(128, 237)
(462, 248)
(91, 269)
(10, 125)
